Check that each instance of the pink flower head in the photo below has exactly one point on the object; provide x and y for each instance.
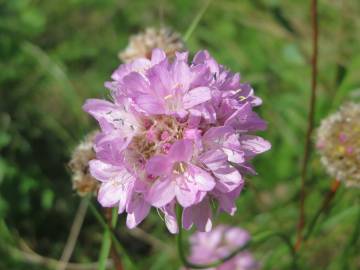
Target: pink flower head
(175, 133)
(220, 242)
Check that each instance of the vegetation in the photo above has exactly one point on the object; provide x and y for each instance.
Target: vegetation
(55, 54)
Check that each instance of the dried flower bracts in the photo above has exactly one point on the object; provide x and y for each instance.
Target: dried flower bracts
(82, 180)
(338, 142)
(141, 45)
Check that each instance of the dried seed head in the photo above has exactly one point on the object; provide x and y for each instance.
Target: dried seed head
(82, 181)
(338, 142)
(142, 44)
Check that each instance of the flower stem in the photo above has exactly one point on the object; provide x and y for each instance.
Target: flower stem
(118, 247)
(325, 205)
(257, 239)
(112, 217)
(310, 127)
(74, 233)
(354, 237)
(196, 21)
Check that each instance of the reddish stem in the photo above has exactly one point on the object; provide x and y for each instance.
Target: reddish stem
(310, 127)
(324, 207)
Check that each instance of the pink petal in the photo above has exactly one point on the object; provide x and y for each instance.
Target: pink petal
(137, 210)
(199, 214)
(181, 74)
(135, 84)
(138, 65)
(198, 178)
(161, 192)
(237, 237)
(150, 104)
(244, 119)
(186, 193)
(170, 217)
(157, 56)
(104, 171)
(229, 179)
(227, 200)
(216, 135)
(159, 78)
(202, 216)
(253, 145)
(181, 150)
(114, 193)
(101, 110)
(196, 96)
(187, 218)
(214, 159)
(159, 165)
(182, 56)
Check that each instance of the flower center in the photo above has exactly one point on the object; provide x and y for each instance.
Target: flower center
(156, 137)
(179, 167)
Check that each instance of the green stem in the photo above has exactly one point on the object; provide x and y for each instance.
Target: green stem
(118, 247)
(196, 21)
(257, 239)
(106, 243)
(354, 237)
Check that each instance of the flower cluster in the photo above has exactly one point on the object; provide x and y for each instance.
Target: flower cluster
(339, 145)
(174, 134)
(142, 44)
(220, 242)
(82, 180)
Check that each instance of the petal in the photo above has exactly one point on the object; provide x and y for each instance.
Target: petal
(187, 218)
(180, 73)
(253, 145)
(157, 56)
(229, 179)
(159, 165)
(244, 119)
(198, 179)
(161, 192)
(136, 84)
(138, 209)
(186, 193)
(245, 168)
(183, 56)
(159, 78)
(114, 193)
(104, 171)
(196, 96)
(216, 135)
(227, 200)
(236, 237)
(101, 111)
(232, 148)
(138, 65)
(214, 159)
(170, 217)
(109, 146)
(150, 104)
(200, 76)
(203, 57)
(202, 215)
(112, 117)
(109, 196)
(181, 150)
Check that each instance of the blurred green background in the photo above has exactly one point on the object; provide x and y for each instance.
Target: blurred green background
(55, 54)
